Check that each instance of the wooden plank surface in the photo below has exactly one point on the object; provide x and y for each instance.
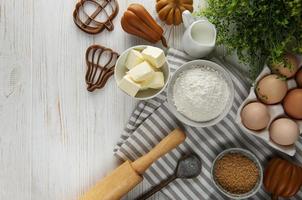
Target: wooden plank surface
(15, 99)
(56, 138)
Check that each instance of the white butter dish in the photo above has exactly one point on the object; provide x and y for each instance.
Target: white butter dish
(145, 92)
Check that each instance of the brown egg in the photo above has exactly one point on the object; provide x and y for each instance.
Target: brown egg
(284, 131)
(271, 89)
(292, 103)
(255, 116)
(299, 78)
(288, 67)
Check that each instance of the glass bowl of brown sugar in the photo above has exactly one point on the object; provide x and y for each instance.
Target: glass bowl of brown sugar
(237, 173)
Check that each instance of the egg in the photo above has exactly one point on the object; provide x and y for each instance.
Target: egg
(284, 131)
(292, 103)
(288, 67)
(271, 89)
(299, 78)
(255, 116)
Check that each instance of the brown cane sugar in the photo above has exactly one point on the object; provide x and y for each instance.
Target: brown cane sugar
(236, 173)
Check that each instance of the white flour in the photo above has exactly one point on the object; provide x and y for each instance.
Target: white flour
(200, 93)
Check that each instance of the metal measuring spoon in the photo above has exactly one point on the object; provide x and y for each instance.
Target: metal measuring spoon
(188, 167)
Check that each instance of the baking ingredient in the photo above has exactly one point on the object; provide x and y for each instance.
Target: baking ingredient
(258, 31)
(287, 67)
(155, 56)
(137, 21)
(134, 58)
(236, 173)
(142, 75)
(170, 11)
(284, 131)
(271, 89)
(124, 178)
(299, 77)
(129, 86)
(282, 178)
(255, 116)
(292, 103)
(200, 93)
(141, 72)
(155, 82)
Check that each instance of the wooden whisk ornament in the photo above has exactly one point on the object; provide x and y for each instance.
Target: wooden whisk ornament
(100, 63)
(93, 23)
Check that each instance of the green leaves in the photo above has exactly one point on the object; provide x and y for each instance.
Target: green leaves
(258, 30)
(232, 6)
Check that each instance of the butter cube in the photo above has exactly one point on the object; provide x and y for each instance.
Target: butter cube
(155, 56)
(145, 84)
(134, 58)
(155, 82)
(129, 86)
(141, 72)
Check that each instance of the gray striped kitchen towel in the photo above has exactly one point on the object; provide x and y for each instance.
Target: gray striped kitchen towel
(151, 121)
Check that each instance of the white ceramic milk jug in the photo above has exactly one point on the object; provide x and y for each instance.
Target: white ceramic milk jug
(200, 36)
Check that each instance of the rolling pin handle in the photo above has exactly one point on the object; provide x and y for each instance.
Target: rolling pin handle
(170, 142)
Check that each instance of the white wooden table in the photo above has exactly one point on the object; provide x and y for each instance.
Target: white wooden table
(56, 139)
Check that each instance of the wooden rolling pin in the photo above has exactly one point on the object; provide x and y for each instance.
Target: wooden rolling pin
(124, 178)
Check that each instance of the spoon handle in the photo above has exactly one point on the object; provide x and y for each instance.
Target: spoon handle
(157, 188)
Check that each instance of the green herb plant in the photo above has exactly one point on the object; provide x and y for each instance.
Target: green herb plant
(259, 31)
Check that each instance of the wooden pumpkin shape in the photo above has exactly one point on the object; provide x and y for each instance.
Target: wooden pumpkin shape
(137, 21)
(282, 178)
(170, 11)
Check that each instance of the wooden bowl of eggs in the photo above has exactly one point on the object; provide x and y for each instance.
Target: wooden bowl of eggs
(273, 109)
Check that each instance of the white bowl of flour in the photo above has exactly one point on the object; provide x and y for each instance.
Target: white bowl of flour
(200, 93)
